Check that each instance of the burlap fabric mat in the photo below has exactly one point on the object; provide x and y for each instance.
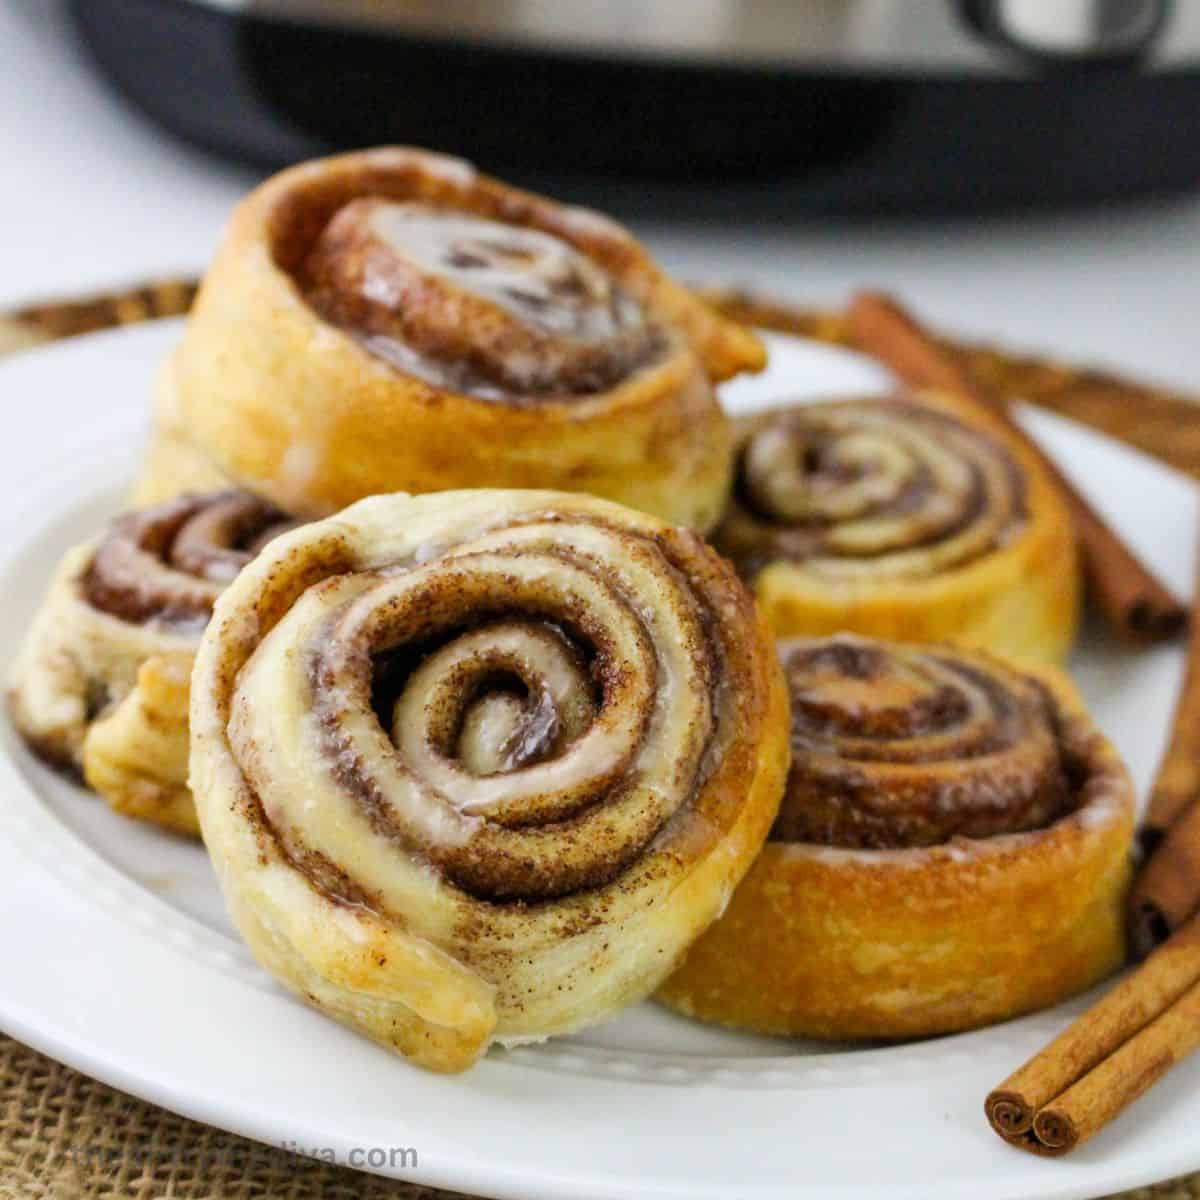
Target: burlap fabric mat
(64, 1136)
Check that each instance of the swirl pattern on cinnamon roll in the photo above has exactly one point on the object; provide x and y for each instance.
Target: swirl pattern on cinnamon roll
(101, 683)
(497, 311)
(896, 747)
(872, 489)
(393, 320)
(913, 518)
(480, 765)
(952, 849)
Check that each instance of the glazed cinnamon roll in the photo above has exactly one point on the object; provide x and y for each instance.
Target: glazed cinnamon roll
(478, 766)
(392, 320)
(101, 683)
(911, 518)
(952, 849)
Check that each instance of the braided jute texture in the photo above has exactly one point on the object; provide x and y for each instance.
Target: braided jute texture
(64, 1136)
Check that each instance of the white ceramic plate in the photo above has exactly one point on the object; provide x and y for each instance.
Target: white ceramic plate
(118, 959)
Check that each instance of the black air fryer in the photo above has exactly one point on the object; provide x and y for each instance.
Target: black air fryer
(801, 106)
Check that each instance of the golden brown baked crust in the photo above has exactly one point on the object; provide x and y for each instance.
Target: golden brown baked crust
(135, 754)
(478, 766)
(101, 684)
(952, 850)
(570, 362)
(913, 518)
(173, 464)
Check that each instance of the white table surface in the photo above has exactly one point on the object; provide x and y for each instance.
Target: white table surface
(93, 196)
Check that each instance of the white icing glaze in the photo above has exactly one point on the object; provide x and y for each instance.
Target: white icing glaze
(533, 275)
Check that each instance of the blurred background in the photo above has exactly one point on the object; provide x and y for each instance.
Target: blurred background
(1017, 170)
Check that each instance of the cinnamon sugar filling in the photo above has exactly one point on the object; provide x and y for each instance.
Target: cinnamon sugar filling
(168, 564)
(900, 746)
(513, 713)
(869, 489)
(501, 312)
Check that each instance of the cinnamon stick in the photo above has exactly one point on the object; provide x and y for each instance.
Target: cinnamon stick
(1177, 784)
(1166, 892)
(1135, 603)
(1153, 418)
(1107, 1058)
(1167, 889)
(1086, 1108)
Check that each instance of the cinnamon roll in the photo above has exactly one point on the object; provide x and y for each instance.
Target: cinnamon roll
(478, 766)
(912, 518)
(393, 320)
(952, 849)
(100, 685)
